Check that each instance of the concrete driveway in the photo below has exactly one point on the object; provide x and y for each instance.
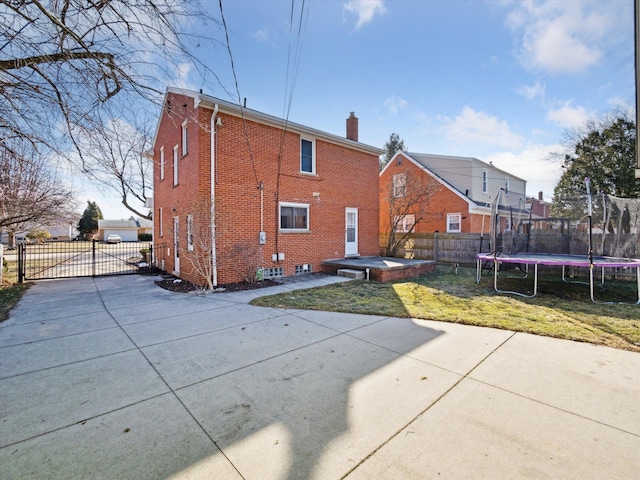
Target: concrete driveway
(116, 378)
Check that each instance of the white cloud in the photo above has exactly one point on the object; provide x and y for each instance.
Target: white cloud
(619, 104)
(533, 92)
(533, 164)
(568, 116)
(182, 78)
(478, 127)
(563, 37)
(261, 35)
(365, 10)
(395, 104)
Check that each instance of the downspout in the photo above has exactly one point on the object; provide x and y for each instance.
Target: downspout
(214, 259)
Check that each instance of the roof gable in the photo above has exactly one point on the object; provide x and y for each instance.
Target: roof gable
(429, 172)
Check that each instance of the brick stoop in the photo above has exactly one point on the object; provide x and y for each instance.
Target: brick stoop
(380, 269)
(409, 271)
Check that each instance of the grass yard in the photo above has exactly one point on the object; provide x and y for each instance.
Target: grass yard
(562, 310)
(10, 290)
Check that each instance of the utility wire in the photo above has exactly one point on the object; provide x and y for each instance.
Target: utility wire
(242, 108)
(288, 95)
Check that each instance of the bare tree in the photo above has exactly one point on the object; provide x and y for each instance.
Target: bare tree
(117, 159)
(62, 61)
(407, 200)
(31, 195)
(249, 260)
(198, 251)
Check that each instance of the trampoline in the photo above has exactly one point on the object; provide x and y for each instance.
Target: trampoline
(625, 212)
(558, 260)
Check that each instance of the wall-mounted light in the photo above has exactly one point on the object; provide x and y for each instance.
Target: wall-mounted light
(218, 122)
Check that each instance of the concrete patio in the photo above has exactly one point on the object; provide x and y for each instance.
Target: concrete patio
(116, 378)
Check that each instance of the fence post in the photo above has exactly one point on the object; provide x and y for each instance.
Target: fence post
(1, 264)
(20, 263)
(93, 258)
(435, 246)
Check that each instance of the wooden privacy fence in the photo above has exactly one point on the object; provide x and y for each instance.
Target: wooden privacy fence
(461, 248)
(451, 248)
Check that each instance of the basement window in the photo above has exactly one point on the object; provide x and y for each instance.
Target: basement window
(303, 269)
(273, 272)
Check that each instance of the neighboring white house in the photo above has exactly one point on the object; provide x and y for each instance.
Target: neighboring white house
(58, 232)
(127, 229)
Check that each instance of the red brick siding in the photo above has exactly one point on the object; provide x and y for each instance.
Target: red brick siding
(344, 178)
(440, 204)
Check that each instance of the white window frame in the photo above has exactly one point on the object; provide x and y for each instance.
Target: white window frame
(162, 162)
(190, 233)
(185, 138)
(292, 205)
(405, 222)
(399, 185)
(450, 218)
(175, 165)
(160, 233)
(485, 181)
(313, 155)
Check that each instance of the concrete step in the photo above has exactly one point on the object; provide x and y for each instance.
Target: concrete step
(346, 272)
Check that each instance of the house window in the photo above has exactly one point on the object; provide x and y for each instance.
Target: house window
(307, 156)
(190, 233)
(454, 222)
(160, 221)
(399, 185)
(506, 185)
(162, 162)
(405, 223)
(185, 138)
(485, 187)
(294, 216)
(175, 165)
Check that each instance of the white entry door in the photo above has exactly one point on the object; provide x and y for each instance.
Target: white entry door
(351, 232)
(176, 246)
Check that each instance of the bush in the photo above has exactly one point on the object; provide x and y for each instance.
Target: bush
(145, 237)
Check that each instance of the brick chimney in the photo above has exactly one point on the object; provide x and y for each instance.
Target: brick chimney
(352, 127)
(540, 196)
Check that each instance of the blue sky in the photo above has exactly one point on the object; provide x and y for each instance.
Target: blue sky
(496, 80)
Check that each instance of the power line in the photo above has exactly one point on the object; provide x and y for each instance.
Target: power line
(242, 108)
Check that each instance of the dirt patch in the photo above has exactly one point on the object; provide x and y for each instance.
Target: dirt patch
(182, 286)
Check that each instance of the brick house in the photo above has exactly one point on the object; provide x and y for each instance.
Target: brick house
(244, 191)
(463, 190)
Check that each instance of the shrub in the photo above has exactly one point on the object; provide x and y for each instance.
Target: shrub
(145, 237)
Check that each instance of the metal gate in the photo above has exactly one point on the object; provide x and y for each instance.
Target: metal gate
(82, 259)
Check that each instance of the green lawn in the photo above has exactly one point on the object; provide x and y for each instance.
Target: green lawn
(560, 310)
(10, 290)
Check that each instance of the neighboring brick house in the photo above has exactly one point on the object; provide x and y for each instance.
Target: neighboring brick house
(463, 190)
(285, 196)
(539, 207)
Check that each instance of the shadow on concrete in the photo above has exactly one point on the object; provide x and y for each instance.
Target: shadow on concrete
(295, 394)
(341, 397)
